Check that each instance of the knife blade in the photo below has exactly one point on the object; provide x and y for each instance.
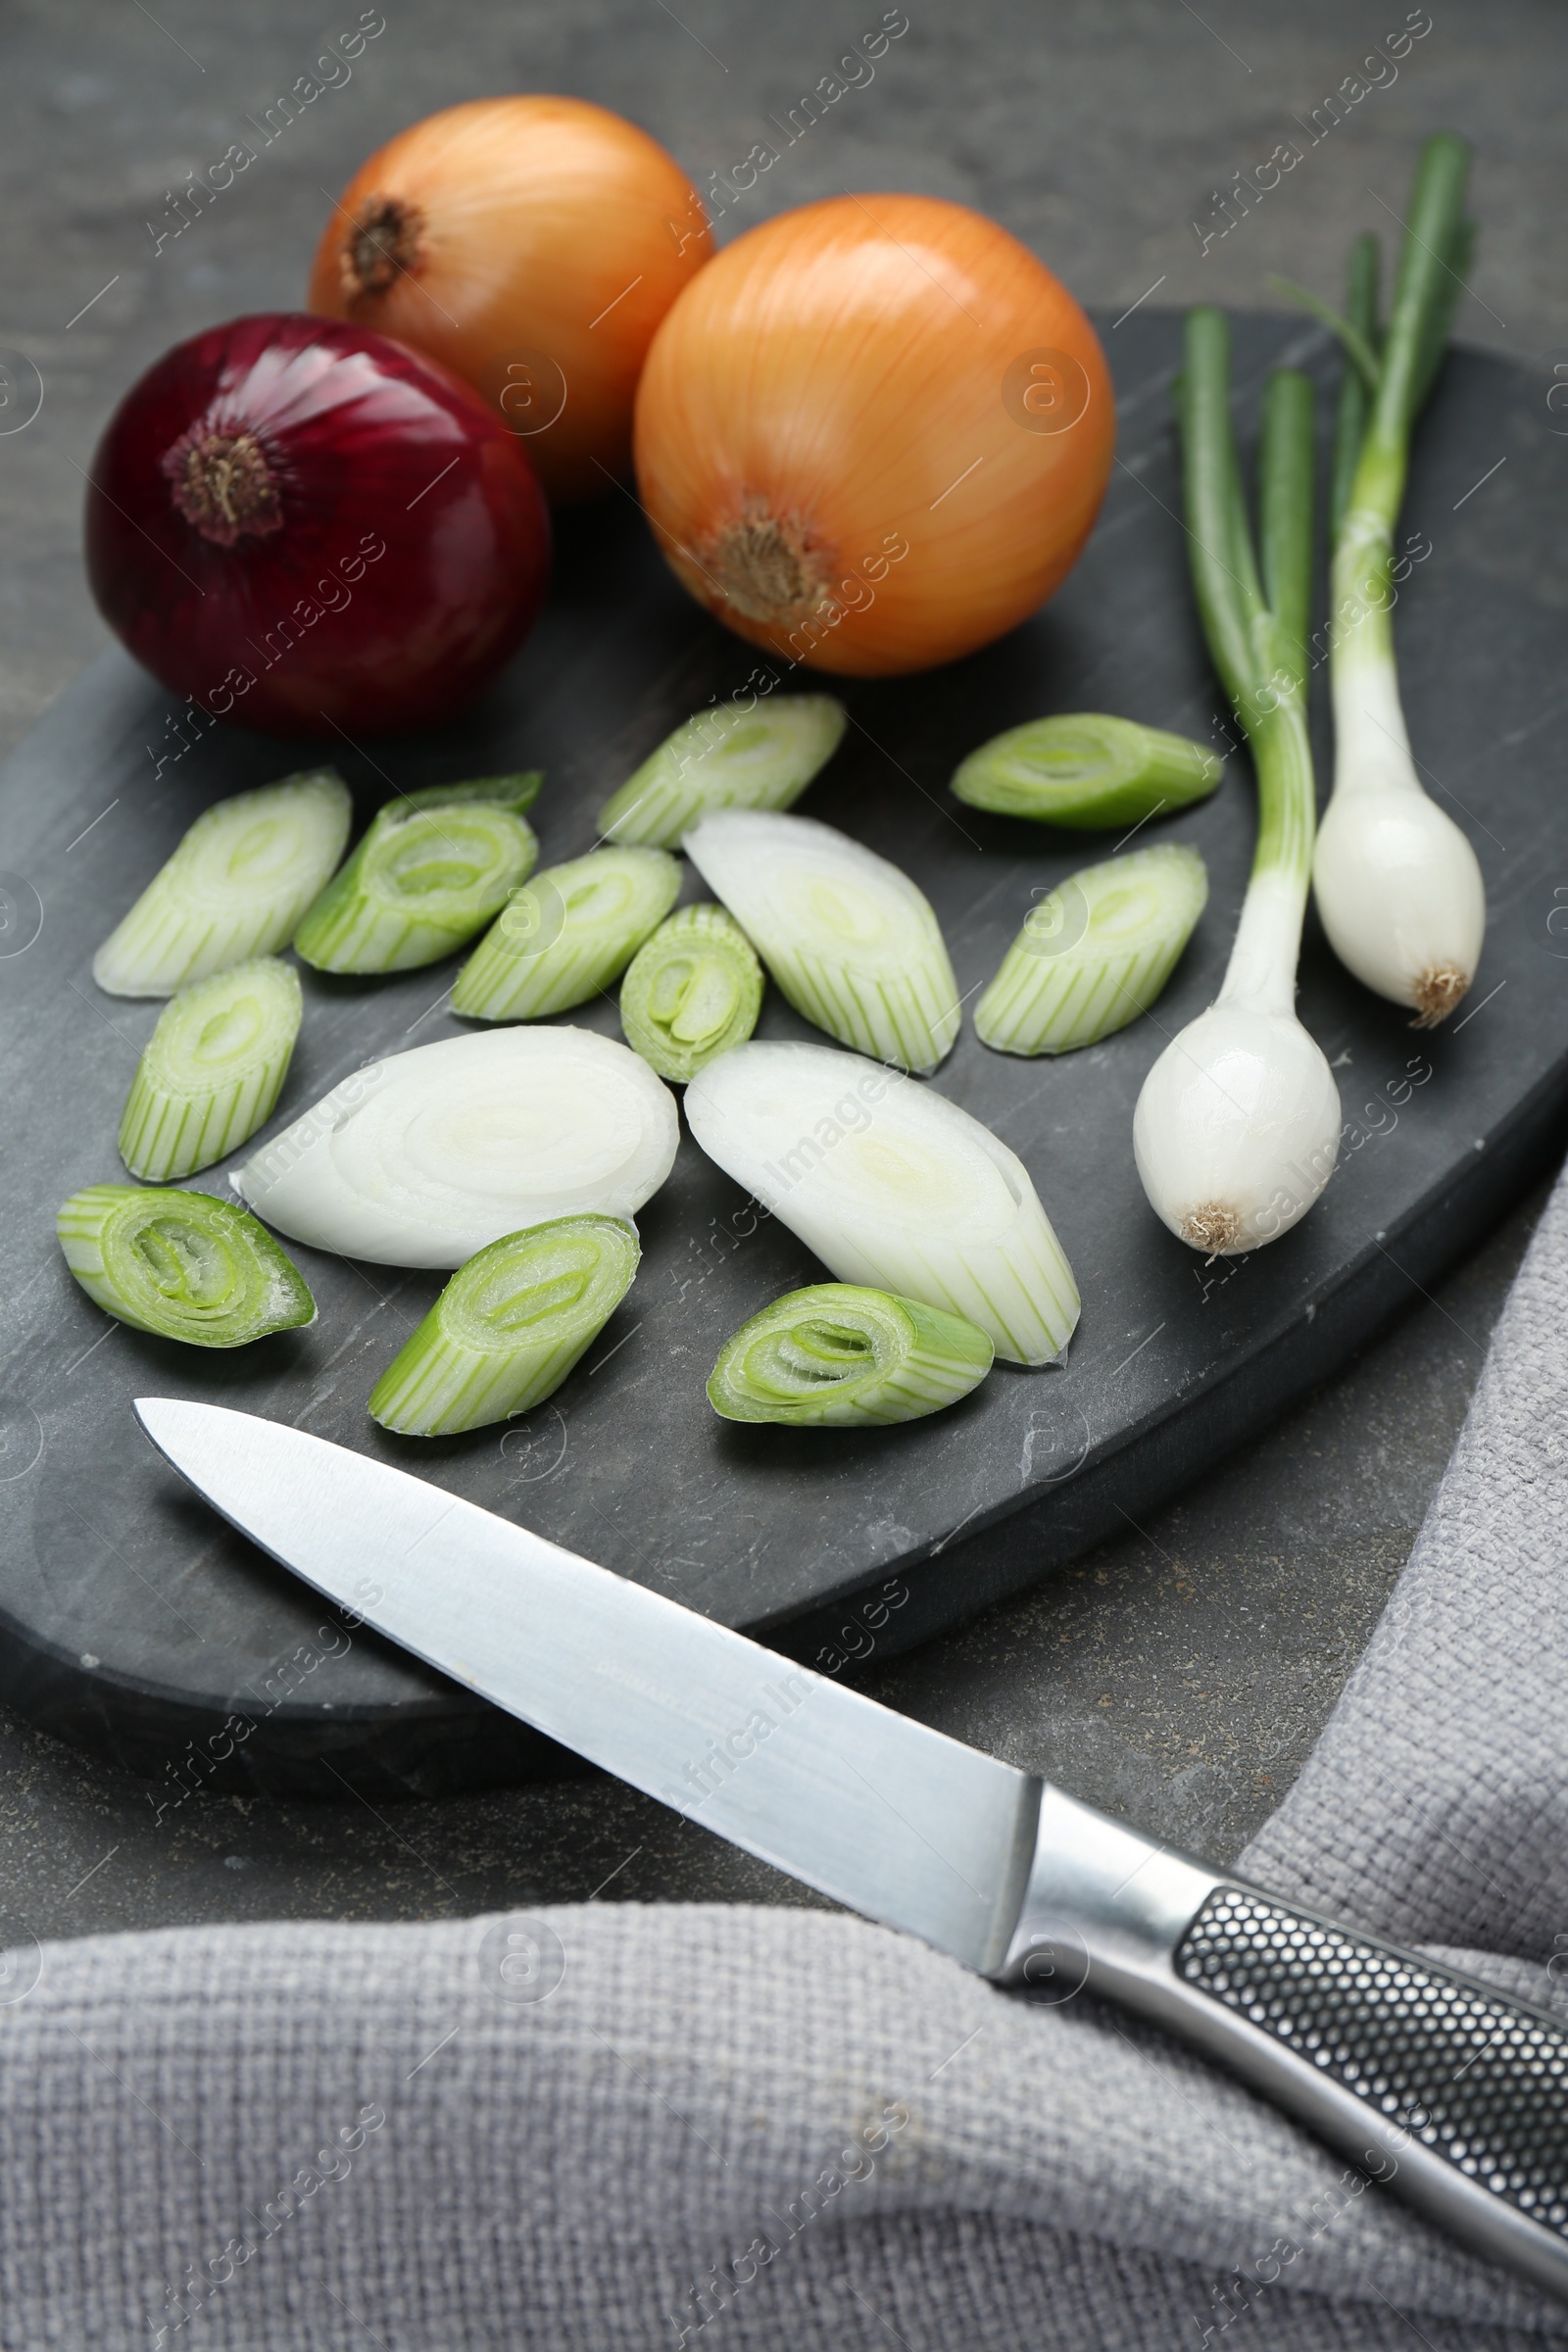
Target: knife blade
(1453, 2094)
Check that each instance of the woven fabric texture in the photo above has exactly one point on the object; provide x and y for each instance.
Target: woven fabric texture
(620, 2128)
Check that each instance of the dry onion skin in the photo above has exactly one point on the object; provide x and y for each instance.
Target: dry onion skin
(873, 433)
(534, 244)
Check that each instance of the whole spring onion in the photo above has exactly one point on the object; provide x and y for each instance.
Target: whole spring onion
(840, 1356)
(1095, 953)
(850, 939)
(892, 1186)
(1085, 770)
(1238, 1123)
(508, 1327)
(425, 1158)
(211, 1070)
(182, 1265)
(736, 755)
(1398, 884)
(873, 433)
(234, 888)
(567, 935)
(432, 869)
(691, 991)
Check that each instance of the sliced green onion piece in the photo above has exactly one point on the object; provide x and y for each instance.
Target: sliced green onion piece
(425, 1158)
(691, 991)
(433, 868)
(236, 887)
(851, 941)
(508, 1328)
(890, 1185)
(734, 756)
(1084, 770)
(843, 1357)
(1095, 953)
(567, 935)
(211, 1069)
(182, 1265)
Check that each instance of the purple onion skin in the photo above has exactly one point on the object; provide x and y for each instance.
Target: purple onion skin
(236, 504)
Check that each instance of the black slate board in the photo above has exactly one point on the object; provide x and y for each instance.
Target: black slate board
(130, 1620)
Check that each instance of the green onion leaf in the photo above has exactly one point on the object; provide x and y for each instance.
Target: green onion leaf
(182, 1265)
(236, 887)
(567, 935)
(1095, 953)
(508, 1328)
(1356, 401)
(1343, 326)
(1085, 770)
(734, 756)
(691, 991)
(211, 1070)
(432, 869)
(843, 1357)
(850, 939)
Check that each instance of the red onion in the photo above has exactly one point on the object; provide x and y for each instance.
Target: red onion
(302, 525)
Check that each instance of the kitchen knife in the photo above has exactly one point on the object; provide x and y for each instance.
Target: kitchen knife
(1453, 2094)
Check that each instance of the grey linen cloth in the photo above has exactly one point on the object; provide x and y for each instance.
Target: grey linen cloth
(634, 2127)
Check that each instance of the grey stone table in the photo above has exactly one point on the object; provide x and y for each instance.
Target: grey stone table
(1181, 1674)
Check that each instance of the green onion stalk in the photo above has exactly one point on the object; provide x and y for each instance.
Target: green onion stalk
(1398, 884)
(732, 755)
(840, 1357)
(1088, 771)
(1238, 1123)
(691, 992)
(211, 1070)
(182, 1265)
(434, 868)
(508, 1327)
(1095, 953)
(234, 888)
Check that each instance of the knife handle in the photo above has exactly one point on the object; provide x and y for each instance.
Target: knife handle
(1451, 2093)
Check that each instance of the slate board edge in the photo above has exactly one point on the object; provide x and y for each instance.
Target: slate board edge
(1196, 1432)
(439, 1748)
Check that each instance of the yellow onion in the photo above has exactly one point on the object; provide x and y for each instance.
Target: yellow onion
(534, 244)
(873, 433)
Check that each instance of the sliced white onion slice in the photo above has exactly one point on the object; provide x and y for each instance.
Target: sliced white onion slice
(892, 1185)
(425, 1158)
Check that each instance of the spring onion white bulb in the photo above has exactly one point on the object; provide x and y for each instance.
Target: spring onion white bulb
(236, 887)
(432, 869)
(735, 756)
(1084, 770)
(1095, 953)
(691, 991)
(1398, 885)
(567, 935)
(211, 1070)
(1238, 1123)
(893, 1187)
(838, 1356)
(425, 1158)
(182, 1265)
(851, 942)
(508, 1328)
